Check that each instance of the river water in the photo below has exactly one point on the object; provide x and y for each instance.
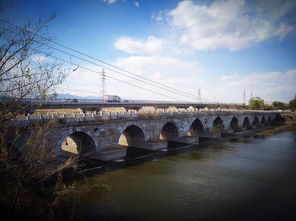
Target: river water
(245, 179)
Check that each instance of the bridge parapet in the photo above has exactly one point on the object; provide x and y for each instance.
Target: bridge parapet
(132, 115)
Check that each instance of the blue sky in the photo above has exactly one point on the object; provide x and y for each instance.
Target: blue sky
(219, 46)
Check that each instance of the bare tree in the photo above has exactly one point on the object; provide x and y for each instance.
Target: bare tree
(26, 68)
(27, 72)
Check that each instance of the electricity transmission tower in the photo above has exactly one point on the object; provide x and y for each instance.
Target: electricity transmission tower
(244, 97)
(103, 78)
(198, 96)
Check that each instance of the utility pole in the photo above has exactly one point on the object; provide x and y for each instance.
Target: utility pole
(103, 78)
(244, 97)
(198, 96)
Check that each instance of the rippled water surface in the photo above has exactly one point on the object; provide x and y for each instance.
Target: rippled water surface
(249, 179)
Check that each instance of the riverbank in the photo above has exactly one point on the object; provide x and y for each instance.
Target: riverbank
(287, 122)
(282, 128)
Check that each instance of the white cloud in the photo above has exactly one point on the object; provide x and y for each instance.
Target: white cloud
(230, 24)
(157, 16)
(137, 4)
(183, 75)
(223, 24)
(82, 82)
(39, 58)
(188, 77)
(151, 45)
(110, 1)
(166, 70)
(270, 86)
(155, 65)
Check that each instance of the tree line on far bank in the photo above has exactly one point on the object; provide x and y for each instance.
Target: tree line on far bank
(256, 103)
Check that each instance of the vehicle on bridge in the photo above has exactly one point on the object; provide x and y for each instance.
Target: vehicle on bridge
(112, 98)
(69, 100)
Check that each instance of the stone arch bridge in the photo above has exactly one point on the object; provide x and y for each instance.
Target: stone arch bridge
(105, 137)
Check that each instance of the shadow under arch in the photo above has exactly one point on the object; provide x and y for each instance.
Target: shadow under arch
(168, 131)
(132, 136)
(246, 123)
(269, 121)
(234, 124)
(263, 121)
(196, 128)
(255, 121)
(218, 124)
(79, 143)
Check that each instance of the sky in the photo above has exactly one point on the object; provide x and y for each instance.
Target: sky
(218, 46)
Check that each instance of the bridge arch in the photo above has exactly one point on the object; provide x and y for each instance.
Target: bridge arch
(218, 124)
(234, 124)
(196, 128)
(168, 131)
(263, 121)
(246, 123)
(255, 121)
(132, 136)
(124, 126)
(77, 142)
(269, 120)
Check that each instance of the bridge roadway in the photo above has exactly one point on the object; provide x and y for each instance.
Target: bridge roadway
(97, 106)
(106, 136)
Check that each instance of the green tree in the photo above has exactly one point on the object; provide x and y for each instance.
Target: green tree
(292, 103)
(256, 103)
(277, 105)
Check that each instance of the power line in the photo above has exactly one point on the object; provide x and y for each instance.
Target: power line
(102, 67)
(86, 55)
(70, 62)
(109, 69)
(88, 69)
(162, 86)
